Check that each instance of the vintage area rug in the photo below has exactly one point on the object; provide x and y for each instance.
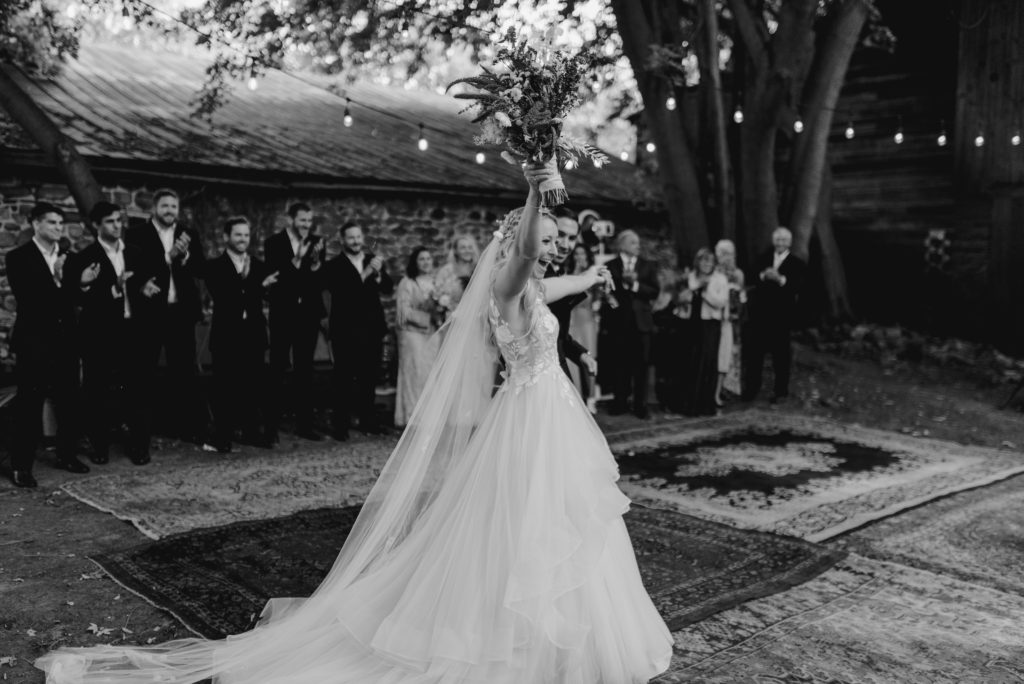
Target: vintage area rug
(216, 581)
(803, 477)
(234, 488)
(977, 536)
(862, 622)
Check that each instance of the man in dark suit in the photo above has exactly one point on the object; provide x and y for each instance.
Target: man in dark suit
(172, 261)
(356, 279)
(237, 283)
(296, 309)
(628, 323)
(568, 232)
(109, 279)
(46, 360)
(772, 307)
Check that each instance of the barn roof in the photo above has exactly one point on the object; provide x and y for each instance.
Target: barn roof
(130, 108)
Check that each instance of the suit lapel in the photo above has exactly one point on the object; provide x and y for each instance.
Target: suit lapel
(43, 266)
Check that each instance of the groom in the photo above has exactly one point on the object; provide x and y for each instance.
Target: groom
(565, 242)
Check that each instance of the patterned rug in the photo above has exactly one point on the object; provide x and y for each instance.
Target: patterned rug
(216, 581)
(234, 488)
(973, 535)
(798, 476)
(863, 621)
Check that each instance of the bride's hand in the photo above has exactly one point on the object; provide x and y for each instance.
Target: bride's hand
(600, 274)
(538, 173)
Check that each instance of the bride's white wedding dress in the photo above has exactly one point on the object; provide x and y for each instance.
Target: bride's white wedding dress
(520, 571)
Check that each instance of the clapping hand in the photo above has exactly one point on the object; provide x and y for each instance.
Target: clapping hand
(180, 246)
(151, 289)
(270, 279)
(771, 274)
(89, 274)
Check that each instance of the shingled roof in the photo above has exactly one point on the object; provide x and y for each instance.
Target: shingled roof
(130, 109)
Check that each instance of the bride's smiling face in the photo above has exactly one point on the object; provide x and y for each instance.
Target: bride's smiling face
(548, 247)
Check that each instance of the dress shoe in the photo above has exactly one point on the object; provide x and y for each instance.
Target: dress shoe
(99, 458)
(72, 465)
(23, 478)
(308, 433)
(139, 457)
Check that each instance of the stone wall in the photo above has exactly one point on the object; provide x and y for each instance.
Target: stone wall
(395, 224)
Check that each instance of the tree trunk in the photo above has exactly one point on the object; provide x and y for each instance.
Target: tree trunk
(759, 202)
(832, 270)
(59, 150)
(822, 93)
(711, 78)
(676, 161)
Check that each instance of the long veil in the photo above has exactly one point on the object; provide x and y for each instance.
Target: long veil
(455, 398)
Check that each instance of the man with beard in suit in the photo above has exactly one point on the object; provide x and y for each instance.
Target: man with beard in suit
(628, 323)
(356, 279)
(110, 278)
(172, 259)
(772, 308)
(46, 361)
(237, 283)
(567, 234)
(296, 309)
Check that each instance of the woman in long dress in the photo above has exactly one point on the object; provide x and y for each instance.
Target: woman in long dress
(492, 548)
(710, 299)
(452, 278)
(729, 345)
(583, 327)
(416, 320)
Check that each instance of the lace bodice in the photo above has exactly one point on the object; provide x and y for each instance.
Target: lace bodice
(531, 355)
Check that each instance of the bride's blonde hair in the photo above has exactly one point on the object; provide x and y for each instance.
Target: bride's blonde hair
(508, 228)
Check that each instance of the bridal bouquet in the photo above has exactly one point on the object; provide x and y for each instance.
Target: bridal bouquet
(522, 100)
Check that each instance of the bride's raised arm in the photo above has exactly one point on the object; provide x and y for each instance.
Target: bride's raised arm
(526, 247)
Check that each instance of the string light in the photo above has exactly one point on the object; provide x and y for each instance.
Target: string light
(979, 140)
(798, 125)
(898, 136)
(347, 119)
(624, 155)
(942, 139)
(849, 132)
(422, 144)
(253, 83)
(737, 116)
(651, 147)
(670, 103)
(480, 158)
(1015, 139)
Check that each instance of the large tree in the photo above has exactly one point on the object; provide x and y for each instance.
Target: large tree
(685, 63)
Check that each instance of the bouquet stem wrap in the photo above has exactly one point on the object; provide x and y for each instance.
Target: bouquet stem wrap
(553, 191)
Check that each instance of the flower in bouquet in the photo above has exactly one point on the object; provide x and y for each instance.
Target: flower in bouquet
(522, 101)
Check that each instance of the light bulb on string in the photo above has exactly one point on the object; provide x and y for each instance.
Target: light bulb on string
(979, 140)
(422, 144)
(670, 103)
(898, 137)
(624, 155)
(1015, 139)
(651, 147)
(798, 125)
(480, 158)
(849, 132)
(347, 119)
(737, 116)
(253, 83)
(943, 138)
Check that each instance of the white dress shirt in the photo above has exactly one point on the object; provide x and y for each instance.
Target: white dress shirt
(240, 262)
(357, 261)
(51, 255)
(115, 253)
(777, 260)
(629, 266)
(296, 241)
(167, 238)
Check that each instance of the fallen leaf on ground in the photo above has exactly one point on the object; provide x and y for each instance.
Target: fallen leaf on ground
(30, 632)
(8, 660)
(97, 630)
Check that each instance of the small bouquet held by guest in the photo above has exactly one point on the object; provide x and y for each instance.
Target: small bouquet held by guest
(442, 308)
(522, 102)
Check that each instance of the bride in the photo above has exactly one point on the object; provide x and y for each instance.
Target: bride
(492, 548)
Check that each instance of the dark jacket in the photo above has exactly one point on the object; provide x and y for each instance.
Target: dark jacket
(568, 348)
(44, 328)
(238, 320)
(634, 310)
(355, 303)
(101, 305)
(771, 303)
(146, 239)
(297, 291)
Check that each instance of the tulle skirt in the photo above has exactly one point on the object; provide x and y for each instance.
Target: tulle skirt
(520, 572)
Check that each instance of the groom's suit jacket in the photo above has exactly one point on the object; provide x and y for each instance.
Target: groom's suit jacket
(568, 348)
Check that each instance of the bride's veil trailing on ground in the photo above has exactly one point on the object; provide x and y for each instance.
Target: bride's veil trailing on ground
(454, 400)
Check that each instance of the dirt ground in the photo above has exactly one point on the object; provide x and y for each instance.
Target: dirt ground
(51, 594)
